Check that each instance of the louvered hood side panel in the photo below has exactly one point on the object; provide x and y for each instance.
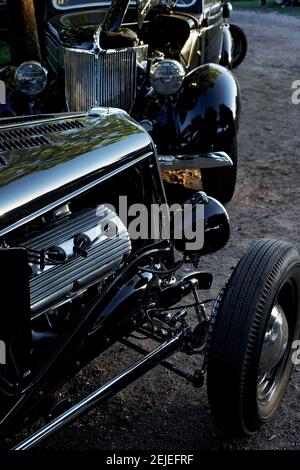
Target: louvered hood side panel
(36, 136)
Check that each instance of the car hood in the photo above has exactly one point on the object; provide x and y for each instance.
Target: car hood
(43, 162)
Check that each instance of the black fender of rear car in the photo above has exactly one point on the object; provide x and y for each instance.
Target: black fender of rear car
(202, 116)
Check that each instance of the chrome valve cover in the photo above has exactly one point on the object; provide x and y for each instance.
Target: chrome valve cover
(107, 245)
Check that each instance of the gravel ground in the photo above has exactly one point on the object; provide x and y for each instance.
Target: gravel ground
(161, 411)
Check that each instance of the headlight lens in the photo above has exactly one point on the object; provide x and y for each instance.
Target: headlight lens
(167, 76)
(31, 78)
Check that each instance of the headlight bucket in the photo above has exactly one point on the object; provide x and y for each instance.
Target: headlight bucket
(166, 76)
(31, 78)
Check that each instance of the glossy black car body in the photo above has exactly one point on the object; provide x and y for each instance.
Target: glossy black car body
(91, 255)
(105, 56)
(56, 174)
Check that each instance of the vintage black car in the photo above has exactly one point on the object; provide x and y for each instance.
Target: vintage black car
(165, 63)
(80, 273)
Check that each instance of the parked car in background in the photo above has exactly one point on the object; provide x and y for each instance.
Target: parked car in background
(238, 37)
(165, 63)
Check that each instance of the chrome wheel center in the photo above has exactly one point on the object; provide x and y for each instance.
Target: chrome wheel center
(274, 346)
(275, 341)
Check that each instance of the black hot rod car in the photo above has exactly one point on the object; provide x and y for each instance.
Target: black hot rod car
(75, 278)
(164, 62)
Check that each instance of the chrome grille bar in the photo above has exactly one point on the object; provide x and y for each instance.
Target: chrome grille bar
(80, 80)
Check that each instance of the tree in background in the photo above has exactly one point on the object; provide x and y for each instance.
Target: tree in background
(24, 38)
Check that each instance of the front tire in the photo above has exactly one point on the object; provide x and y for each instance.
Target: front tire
(239, 45)
(220, 182)
(253, 326)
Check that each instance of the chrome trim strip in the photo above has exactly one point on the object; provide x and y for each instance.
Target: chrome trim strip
(83, 5)
(203, 160)
(93, 111)
(184, 6)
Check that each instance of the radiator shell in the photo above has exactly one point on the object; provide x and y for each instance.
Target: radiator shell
(106, 78)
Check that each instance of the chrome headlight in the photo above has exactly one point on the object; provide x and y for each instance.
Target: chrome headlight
(31, 78)
(166, 76)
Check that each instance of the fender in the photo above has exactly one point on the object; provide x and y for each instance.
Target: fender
(51, 100)
(6, 106)
(202, 117)
(16, 103)
(226, 49)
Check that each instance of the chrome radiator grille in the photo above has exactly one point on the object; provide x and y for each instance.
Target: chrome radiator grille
(104, 79)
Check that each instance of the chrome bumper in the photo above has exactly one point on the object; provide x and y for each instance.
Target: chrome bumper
(202, 160)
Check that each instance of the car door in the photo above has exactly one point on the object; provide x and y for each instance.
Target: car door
(212, 13)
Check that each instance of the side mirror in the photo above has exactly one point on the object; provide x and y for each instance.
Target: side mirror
(201, 227)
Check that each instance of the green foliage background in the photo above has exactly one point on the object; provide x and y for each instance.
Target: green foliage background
(4, 53)
(270, 6)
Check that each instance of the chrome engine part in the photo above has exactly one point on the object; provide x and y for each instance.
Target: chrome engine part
(75, 252)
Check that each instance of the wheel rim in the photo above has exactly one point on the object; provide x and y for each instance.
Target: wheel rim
(272, 354)
(276, 346)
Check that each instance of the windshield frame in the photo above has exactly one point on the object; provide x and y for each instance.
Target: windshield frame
(85, 5)
(106, 3)
(184, 6)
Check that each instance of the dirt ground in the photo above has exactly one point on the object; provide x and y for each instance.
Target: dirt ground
(161, 411)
